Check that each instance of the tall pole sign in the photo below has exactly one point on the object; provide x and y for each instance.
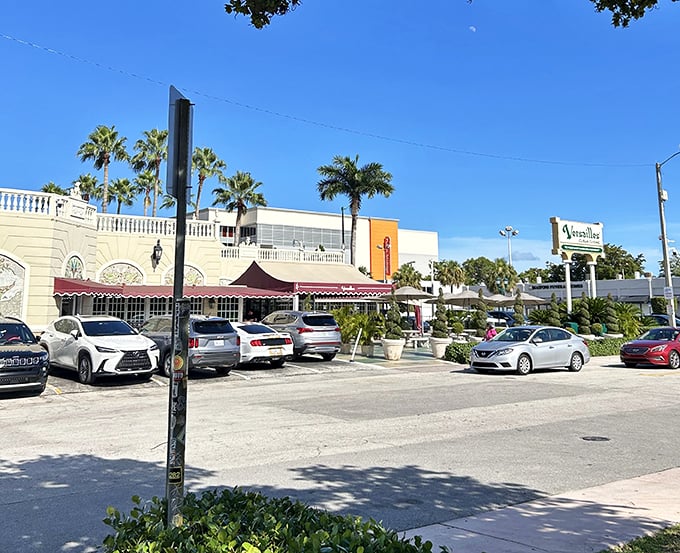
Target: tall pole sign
(178, 185)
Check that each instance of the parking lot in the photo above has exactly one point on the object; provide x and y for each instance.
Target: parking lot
(410, 443)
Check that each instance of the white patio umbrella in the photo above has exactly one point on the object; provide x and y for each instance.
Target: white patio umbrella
(408, 293)
(527, 299)
(498, 299)
(466, 298)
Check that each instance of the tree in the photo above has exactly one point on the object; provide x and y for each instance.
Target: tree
(611, 318)
(518, 309)
(440, 325)
(123, 192)
(104, 145)
(479, 315)
(240, 191)
(344, 177)
(151, 152)
(406, 275)
(480, 270)
(449, 273)
(582, 315)
(52, 188)
(504, 278)
(145, 182)
(533, 274)
(393, 330)
(261, 12)
(206, 164)
(89, 187)
(674, 262)
(554, 318)
(617, 261)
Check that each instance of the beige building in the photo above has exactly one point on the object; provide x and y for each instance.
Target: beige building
(59, 255)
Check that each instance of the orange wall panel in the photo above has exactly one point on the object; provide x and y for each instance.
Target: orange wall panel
(379, 229)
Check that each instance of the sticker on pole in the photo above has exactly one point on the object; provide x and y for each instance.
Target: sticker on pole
(668, 292)
(175, 475)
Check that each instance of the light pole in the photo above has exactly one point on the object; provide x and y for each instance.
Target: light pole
(509, 232)
(668, 290)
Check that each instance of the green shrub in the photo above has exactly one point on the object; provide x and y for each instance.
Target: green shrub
(457, 327)
(606, 346)
(393, 330)
(440, 327)
(597, 329)
(458, 352)
(235, 521)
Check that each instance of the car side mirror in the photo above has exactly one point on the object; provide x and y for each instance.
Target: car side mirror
(537, 340)
(75, 333)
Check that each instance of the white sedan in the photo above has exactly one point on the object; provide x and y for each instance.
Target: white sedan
(261, 343)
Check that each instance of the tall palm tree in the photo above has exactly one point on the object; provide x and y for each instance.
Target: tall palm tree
(145, 182)
(344, 176)
(89, 187)
(123, 192)
(104, 145)
(206, 164)
(52, 188)
(151, 152)
(449, 273)
(238, 194)
(406, 275)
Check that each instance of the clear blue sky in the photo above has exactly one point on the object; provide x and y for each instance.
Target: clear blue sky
(487, 114)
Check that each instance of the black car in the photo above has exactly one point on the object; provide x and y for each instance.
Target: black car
(506, 316)
(662, 319)
(23, 362)
(213, 342)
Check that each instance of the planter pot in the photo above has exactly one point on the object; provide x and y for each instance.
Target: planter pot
(392, 348)
(438, 346)
(367, 351)
(346, 348)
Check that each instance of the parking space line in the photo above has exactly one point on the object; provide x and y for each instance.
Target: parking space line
(161, 382)
(240, 375)
(58, 391)
(307, 368)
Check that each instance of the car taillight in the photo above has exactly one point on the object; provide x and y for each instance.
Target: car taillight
(586, 343)
(303, 329)
(288, 341)
(193, 343)
(337, 329)
(256, 343)
(238, 340)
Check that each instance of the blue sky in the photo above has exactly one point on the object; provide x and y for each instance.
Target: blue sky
(486, 114)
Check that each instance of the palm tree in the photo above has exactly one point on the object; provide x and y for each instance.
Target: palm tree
(145, 182)
(122, 192)
(52, 188)
(104, 145)
(407, 276)
(345, 177)
(151, 152)
(89, 187)
(238, 194)
(449, 273)
(206, 163)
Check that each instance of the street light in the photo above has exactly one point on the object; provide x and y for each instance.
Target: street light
(509, 232)
(663, 196)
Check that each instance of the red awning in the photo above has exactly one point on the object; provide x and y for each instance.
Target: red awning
(74, 287)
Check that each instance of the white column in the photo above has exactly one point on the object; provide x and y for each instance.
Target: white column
(567, 283)
(593, 285)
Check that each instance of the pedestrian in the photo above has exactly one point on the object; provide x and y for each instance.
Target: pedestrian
(490, 331)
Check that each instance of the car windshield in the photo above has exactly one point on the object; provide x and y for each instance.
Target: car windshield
(15, 333)
(256, 329)
(213, 327)
(513, 335)
(663, 334)
(319, 320)
(107, 328)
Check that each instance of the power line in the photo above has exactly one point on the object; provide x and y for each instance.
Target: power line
(318, 123)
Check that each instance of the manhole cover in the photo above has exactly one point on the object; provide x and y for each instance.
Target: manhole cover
(595, 438)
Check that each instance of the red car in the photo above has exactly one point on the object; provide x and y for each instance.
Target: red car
(658, 346)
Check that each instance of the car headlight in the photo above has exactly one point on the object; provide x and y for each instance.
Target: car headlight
(102, 349)
(658, 348)
(153, 347)
(504, 351)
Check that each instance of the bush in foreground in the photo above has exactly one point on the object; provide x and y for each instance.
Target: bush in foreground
(232, 521)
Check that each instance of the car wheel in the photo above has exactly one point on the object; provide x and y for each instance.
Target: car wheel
(630, 365)
(524, 364)
(674, 360)
(576, 363)
(277, 363)
(85, 374)
(327, 356)
(167, 364)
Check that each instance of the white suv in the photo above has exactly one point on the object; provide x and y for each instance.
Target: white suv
(96, 345)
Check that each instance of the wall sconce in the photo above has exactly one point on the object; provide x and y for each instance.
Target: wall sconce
(156, 255)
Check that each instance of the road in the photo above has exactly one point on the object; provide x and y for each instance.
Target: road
(408, 444)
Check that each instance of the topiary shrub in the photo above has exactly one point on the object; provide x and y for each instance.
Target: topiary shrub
(553, 318)
(457, 327)
(611, 317)
(393, 330)
(457, 352)
(440, 327)
(235, 521)
(582, 315)
(596, 329)
(518, 309)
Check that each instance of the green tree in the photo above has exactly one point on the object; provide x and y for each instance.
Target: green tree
(629, 318)
(239, 192)
(393, 330)
(617, 261)
(89, 187)
(52, 188)
(582, 315)
(406, 275)
(449, 273)
(261, 12)
(123, 192)
(479, 315)
(554, 318)
(152, 150)
(103, 146)
(674, 261)
(479, 270)
(146, 182)
(518, 308)
(611, 318)
(534, 274)
(205, 164)
(504, 278)
(440, 326)
(345, 177)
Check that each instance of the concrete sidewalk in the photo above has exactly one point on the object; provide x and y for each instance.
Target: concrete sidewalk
(583, 521)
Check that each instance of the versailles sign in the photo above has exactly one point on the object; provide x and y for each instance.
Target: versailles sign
(570, 237)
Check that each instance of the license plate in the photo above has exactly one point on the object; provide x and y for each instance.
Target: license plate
(218, 342)
(276, 351)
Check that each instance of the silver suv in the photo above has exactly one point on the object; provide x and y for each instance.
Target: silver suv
(213, 342)
(312, 331)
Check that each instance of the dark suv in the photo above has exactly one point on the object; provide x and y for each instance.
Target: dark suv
(311, 331)
(213, 342)
(23, 363)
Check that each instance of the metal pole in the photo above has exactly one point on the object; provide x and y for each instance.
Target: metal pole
(668, 291)
(509, 250)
